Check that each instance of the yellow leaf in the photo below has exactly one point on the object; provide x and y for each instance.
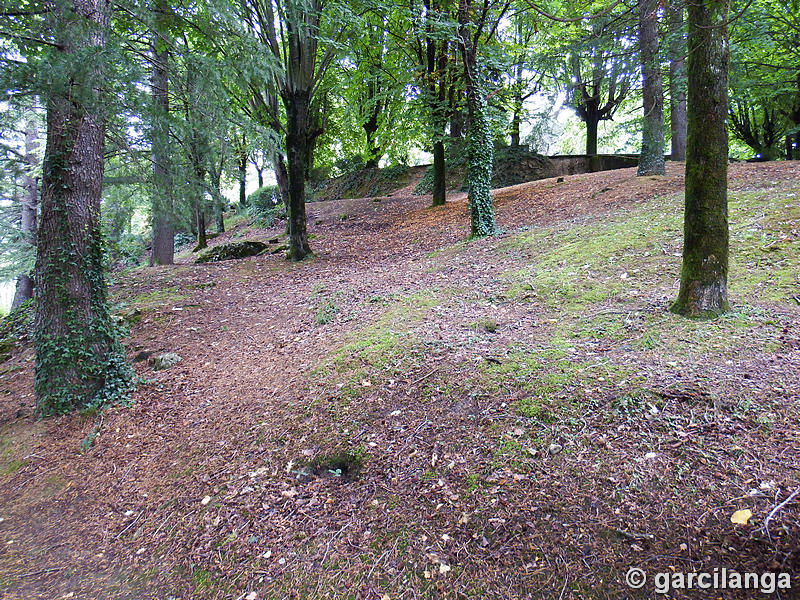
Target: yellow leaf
(741, 517)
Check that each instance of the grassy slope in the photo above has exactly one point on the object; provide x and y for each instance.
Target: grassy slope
(450, 371)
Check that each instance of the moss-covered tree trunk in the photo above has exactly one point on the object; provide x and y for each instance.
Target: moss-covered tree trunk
(704, 275)
(480, 143)
(163, 250)
(79, 362)
(651, 158)
(677, 81)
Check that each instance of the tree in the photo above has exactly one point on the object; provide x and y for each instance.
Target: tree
(651, 158)
(79, 360)
(163, 251)
(676, 48)
(704, 274)
(29, 207)
(480, 150)
(596, 73)
(299, 39)
(434, 31)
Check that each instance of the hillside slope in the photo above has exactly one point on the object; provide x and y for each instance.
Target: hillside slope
(411, 415)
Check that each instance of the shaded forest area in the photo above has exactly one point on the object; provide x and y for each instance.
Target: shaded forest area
(501, 374)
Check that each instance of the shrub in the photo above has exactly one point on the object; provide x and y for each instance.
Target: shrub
(265, 206)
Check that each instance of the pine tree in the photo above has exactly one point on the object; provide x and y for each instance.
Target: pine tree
(79, 360)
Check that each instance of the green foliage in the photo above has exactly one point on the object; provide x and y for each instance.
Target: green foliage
(349, 164)
(128, 251)
(480, 155)
(16, 327)
(326, 313)
(265, 207)
(85, 366)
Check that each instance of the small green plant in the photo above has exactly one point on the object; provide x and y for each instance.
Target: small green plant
(344, 464)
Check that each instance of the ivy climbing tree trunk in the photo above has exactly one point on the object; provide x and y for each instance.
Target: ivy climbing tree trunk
(704, 275)
(651, 158)
(677, 81)
(79, 361)
(30, 201)
(480, 145)
(163, 250)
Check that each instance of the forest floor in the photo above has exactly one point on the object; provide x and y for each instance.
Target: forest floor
(413, 415)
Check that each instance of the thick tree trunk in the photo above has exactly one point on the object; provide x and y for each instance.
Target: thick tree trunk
(30, 201)
(480, 151)
(651, 158)
(200, 223)
(79, 362)
(297, 147)
(704, 276)
(592, 120)
(163, 248)
(677, 82)
(439, 174)
(372, 153)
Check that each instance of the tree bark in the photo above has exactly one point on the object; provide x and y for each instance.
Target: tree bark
(242, 174)
(592, 120)
(163, 248)
(677, 82)
(704, 275)
(297, 146)
(30, 201)
(651, 157)
(480, 152)
(79, 362)
(439, 173)
(516, 117)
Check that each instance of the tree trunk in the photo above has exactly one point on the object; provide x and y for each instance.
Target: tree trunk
(651, 158)
(260, 173)
(677, 82)
(199, 207)
(592, 120)
(297, 104)
(79, 362)
(163, 249)
(219, 201)
(242, 176)
(704, 276)
(30, 200)
(439, 174)
(480, 151)
(372, 153)
(516, 117)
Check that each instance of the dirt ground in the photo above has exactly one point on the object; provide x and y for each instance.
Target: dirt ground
(414, 415)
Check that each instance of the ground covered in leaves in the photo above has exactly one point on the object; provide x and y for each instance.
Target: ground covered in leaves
(414, 415)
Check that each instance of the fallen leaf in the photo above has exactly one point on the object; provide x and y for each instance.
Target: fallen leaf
(741, 517)
(205, 500)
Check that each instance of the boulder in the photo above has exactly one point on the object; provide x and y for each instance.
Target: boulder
(165, 361)
(232, 251)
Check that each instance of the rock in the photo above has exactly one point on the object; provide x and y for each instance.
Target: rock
(165, 361)
(131, 316)
(232, 251)
(555, 448)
